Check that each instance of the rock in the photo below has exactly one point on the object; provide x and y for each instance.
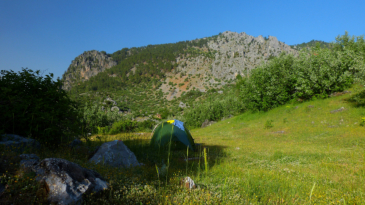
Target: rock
(115, 108)
(75, 143)
(207, 123)
(111, 100)
(220, 91)
(338, 110)
(181, 104)
(115, 154)
(188, 183)
(18, 143)
(65, 180)
(102, 108)
(86, 65)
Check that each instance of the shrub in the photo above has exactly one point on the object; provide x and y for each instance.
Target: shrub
(122, 126)
(270, 85)
(313, 74)
(35, 106)
(94, 117)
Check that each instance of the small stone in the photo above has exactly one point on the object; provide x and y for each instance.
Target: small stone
(188, 183)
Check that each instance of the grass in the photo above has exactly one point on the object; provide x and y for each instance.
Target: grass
(307, 155)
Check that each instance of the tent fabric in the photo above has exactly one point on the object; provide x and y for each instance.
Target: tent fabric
(179, 124)
(167, 131)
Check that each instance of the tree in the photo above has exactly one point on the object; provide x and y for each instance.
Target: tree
(36, 107)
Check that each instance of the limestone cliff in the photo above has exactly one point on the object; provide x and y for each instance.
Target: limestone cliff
(86, 65)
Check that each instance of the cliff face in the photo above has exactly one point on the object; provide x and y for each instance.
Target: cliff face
(86, 65)
(230, 54)
(239, 52)
(235, 54)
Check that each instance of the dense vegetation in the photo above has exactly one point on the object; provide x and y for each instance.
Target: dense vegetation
(312, 44)
(313, 74)
(35, 106)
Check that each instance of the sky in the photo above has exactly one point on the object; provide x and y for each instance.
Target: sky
(47, 35)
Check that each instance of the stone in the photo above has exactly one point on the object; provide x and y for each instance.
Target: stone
(115, 108)
(207, 123)
(110, 100)
(188, 183)
(65, 180)
(181, 104)
(220, 91)
(18, 143)
(338, 110)
(115, 154)
(75, 143)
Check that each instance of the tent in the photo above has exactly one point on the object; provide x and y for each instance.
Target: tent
(173, 130)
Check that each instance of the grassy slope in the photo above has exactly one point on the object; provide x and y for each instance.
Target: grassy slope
(319, 158)
(317, 147)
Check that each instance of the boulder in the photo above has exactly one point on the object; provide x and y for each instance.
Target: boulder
(18, 143)
(65, 180)
(207, 123)
(115, 154)
(115, 108)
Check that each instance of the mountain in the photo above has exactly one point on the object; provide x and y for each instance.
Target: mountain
(311, 44)
(86, 65)
(174, 68)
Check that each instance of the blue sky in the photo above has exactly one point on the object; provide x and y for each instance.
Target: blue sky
(49, 34)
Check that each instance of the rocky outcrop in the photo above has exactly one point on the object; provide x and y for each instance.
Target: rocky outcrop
(237, 53)
(86, 65)
(115, 154)
(66, 181)
(18, 143)
(234, 54)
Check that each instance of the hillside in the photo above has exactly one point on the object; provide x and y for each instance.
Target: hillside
(312, 44)
(86, 65)
(212, 61)
(166, 78)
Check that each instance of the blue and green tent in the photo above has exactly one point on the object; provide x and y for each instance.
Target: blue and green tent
(174, 131)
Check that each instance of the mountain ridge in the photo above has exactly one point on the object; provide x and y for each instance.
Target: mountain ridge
(202, 64)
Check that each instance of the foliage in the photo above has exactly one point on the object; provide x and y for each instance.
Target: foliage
(270, 85)
(268, 124)
(94, 117)
(213, 108)
(313, 43)
(312, 74)
(358, 99)
(122, 126)
(34, 106)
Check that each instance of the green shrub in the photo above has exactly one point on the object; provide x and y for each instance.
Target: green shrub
(270, 85)
(122, 126)
(35, 106)
(313, 74)
(94, 117)
(213, 109)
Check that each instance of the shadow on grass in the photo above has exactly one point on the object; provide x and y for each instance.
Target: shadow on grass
(142, 184)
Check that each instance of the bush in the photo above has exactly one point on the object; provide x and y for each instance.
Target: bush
(270, 85)
(36, 107)
(213, 109)
(94, 117)
(122, 126)
(314, 74)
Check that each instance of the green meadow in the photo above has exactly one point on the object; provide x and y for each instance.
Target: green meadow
(301, 153)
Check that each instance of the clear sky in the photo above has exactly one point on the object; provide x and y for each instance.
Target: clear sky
(49, 34)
